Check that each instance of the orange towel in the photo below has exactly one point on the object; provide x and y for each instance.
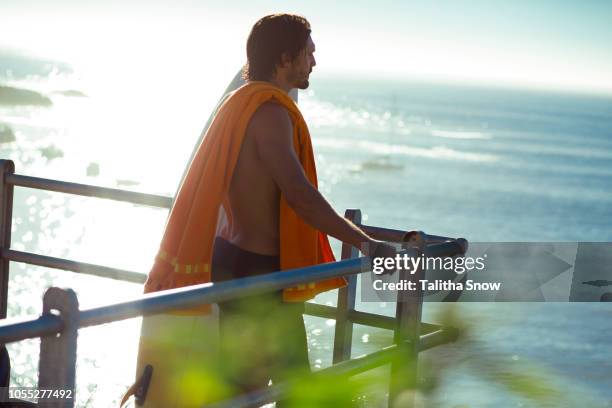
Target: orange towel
(187, 245)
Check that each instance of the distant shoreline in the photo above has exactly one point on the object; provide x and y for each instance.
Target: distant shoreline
(19, 96)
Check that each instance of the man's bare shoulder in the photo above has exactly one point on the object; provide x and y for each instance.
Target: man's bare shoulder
(270, 116)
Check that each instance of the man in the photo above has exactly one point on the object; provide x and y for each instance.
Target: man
(249, 205)
(267, 165)
(280, 51)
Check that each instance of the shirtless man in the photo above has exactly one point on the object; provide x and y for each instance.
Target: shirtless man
(281, 52)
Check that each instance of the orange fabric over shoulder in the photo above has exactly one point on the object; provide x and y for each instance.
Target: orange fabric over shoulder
(186, 249)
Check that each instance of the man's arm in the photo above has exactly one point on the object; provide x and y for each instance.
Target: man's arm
(272, 131)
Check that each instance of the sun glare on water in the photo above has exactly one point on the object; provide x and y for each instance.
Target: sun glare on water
(149, 89)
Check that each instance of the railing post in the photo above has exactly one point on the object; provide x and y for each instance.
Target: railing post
(57, 365)
(404, 369)
(343, 336)
(6, 219)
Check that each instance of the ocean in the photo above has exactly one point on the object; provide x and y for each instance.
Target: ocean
(487, 164)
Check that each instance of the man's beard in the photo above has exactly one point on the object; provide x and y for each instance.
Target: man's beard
(300, 82)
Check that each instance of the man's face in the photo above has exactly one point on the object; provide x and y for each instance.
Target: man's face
(301, 67)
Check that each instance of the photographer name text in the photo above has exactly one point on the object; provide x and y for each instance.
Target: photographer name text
(436, 285)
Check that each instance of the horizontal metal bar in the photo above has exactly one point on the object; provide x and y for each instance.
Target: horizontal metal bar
(361, 363)
(19, 329)
(385, 234)
(89, 191)
(451, 248)
(315, 309)
(196, 295)
(208, 293)
(432, 239)
(47, 325)
(255, 398)
(348, 368)
(395, 235)
(443, 249)
(363, 318)
(73, 266)
(384, 322)
(437, 338)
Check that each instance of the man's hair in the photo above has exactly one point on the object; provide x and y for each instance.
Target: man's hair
(270, 38)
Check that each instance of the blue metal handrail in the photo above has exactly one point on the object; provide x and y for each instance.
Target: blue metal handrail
(58, 350)
(182, 298)
(196, 295)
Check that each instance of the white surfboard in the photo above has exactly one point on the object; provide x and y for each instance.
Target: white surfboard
(234, 84)
(177, 354)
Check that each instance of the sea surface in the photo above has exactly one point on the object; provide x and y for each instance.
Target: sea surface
(490, 165)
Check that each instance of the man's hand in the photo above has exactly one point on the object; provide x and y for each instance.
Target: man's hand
(380, 249)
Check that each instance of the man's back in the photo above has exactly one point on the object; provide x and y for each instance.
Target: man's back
(254, 195)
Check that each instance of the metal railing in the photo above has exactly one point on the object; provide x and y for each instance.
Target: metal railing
(58, 325)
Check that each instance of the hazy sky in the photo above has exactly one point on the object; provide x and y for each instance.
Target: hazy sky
(557, 44)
